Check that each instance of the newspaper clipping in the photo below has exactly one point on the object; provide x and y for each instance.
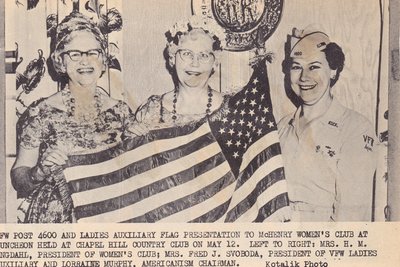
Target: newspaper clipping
(199, 133)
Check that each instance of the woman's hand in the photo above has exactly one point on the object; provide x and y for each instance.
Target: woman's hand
(52, 160)
(54, 157)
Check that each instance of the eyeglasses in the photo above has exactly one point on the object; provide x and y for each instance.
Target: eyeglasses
(76, 55)
(188, 56)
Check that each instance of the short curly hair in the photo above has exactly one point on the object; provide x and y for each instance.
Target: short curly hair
(71, 24)
(335, 57)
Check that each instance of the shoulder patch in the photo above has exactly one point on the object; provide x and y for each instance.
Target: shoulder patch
(369, 142)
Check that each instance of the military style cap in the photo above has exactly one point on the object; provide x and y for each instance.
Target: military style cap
(307, 42)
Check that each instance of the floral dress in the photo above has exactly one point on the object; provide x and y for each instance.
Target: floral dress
(44, 126)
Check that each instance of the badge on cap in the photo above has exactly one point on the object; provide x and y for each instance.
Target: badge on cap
(306, 42)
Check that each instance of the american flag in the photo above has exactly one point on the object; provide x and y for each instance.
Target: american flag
(171, 175)
(248, 136)
(218, 170)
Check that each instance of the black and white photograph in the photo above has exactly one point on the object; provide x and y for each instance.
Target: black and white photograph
(273, 112)
(252, 115)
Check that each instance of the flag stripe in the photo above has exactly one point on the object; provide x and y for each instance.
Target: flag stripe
(265, 187)
(266, 196)
(146, 178)
(213, 215)
(133, 143)
(96, 157)
(142, 207)
(266, 213)
(141, 166)
(243, 191)
(255, 163)
(191, 206)
(144, 192)
(138, 153)
(256, 148)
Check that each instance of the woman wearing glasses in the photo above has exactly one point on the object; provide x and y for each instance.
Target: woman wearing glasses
(192, 53)
(79, 118)
(192, 56)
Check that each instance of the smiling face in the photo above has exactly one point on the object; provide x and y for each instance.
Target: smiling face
(310, 77)
(191, 69)
(88, 68)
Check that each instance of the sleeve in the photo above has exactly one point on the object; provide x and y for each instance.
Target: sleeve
(149, 111)
(135, 124)
(282, 124)
(22, 182)
(127, 119)
(150, 115)
(356, 167)
(30, 127)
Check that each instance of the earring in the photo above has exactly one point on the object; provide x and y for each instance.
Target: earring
(171, 61)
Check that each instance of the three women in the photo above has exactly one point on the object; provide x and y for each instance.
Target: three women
(323, 143)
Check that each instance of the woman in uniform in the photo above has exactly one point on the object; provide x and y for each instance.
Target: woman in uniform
(328, 149)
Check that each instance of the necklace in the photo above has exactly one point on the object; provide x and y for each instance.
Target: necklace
(209, 102)
(85, 114)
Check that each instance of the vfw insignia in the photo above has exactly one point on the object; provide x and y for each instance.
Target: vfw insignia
(248, 23)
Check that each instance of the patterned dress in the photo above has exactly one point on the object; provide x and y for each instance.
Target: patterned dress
(44, 126)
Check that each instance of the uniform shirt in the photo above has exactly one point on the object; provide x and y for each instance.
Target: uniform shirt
(330, 165)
